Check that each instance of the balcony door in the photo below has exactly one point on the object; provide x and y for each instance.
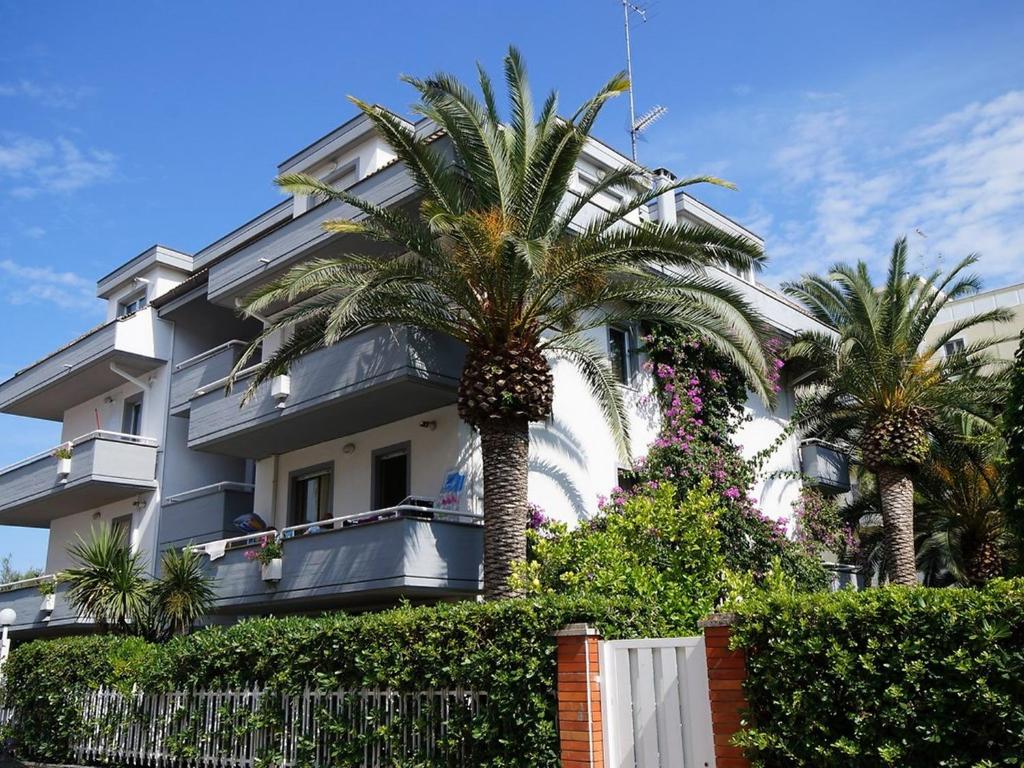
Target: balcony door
(311, 491)
(390, 474)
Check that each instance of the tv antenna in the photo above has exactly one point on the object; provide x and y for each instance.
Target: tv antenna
(641, 124)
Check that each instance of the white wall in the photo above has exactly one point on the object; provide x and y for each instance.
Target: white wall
(64, 531)
(161, 277)
(775, 495)
(368, 155)
(573, 458)
(432, 453)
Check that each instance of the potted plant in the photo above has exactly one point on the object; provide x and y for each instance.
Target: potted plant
(62, 454)
(48, 590)
(268, 555)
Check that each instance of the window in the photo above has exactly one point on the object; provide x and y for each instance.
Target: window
(122, 526)
(953, 347)
(619, 354)
(390, 476)
(131, 305)
(131, 423)
(311, 494)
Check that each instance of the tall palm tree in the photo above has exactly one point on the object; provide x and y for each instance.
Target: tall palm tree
(878, 388)
(495, 257)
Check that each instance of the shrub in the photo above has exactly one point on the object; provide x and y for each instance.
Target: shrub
(701, 399)
(650, 550)
(885, 677)
(41, 679)
(505, 648)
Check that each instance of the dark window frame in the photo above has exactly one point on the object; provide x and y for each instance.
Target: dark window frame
(128, 408)
(139, 300)
(315, 470)
(403, 447)
(628, 360)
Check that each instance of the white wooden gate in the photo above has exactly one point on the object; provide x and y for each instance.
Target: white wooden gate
(654, 703)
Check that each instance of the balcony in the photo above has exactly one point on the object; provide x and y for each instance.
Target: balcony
(825, 466)
(378, 376)
(360, 560)
(104, 467)
(204, 514)
(290, 241)
(203, 369)
(87, 367)
(34, 615)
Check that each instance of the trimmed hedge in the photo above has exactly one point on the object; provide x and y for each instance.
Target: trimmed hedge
(505, 648)
(885, 677)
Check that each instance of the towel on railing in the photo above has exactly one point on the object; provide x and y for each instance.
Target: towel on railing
(215, 549)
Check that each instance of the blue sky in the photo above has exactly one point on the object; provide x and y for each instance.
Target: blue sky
(844, 124)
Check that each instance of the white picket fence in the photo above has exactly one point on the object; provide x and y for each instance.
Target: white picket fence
(656, 712)
(368, 728)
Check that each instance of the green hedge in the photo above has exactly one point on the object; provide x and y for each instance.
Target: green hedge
(42, 676)
(886, 677)
(505, 648)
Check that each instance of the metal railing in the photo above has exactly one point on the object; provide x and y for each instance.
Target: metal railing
(35, 581)
(369, 727)
(340, 523)
(210, 353)
(96, 434)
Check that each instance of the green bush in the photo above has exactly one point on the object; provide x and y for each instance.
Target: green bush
(42, 677)
(505, 648)
(650, 550)
(885, 677)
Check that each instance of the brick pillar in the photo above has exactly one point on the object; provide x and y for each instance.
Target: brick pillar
(726, 672)
(579, 697)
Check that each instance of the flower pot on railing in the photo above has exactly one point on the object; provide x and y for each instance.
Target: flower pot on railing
(48, 603)
(271, 570)
(63, 456)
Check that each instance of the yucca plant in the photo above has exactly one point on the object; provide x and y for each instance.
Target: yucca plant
(882, 387)
(495, 257)
(108, 581)
(183, 594)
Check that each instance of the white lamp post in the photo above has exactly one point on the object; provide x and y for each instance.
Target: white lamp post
(7, 618)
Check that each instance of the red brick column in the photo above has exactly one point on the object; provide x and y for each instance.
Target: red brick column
(579, 697)
(726, 672)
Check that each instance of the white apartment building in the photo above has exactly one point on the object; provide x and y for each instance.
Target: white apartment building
(357, 457)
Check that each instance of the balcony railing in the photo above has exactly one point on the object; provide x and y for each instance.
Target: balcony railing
(203, 514)
(36, 611)
(363, 559)
(376, 377)
(104, 467)
(88, 366)
(826, 466)
(203, 369)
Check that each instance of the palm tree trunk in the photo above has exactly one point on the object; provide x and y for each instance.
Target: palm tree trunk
(505, 448)
(896, 489)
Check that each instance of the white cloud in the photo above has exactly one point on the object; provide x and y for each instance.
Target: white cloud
(27, 285)
(31, 166)
(958, 179)
(57, 96)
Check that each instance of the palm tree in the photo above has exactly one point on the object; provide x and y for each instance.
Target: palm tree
(495, 258)
(877, 387)
(108, 581)
(183, 593)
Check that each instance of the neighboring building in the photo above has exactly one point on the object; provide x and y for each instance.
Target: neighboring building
(163, 450)
(1010, 297)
